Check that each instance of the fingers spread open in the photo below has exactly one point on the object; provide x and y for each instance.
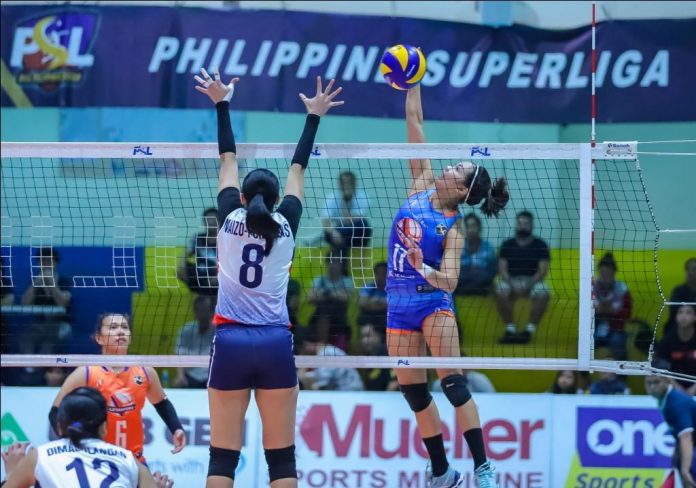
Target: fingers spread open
(206, 75)
(335, 92)
(318, 85)
(329, 86)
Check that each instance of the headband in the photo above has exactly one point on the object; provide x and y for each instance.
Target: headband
(473, 182)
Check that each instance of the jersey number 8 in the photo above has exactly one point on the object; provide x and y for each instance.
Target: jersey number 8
(251, 266)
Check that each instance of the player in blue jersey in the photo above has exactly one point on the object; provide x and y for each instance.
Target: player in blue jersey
(679, 410)
(425, 246)
(252, 347)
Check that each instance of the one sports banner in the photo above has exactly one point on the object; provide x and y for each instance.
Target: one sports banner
(127, 56)
(370, 440)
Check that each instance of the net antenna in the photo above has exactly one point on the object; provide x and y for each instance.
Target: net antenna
(162, 189)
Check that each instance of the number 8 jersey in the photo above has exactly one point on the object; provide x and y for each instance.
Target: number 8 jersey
(252, 286)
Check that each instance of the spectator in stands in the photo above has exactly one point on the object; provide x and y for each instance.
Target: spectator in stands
(292, 300)
(331, 294)
(198, 267)
(679, 346)
(609, 384)
(612, 305)
(49, 329)
(373, 299)
(373, 343)
(522, 266)
(195, 338)
(55, 376)
(478, 262)
(345, 217)
(566, 382)
(686, 292)
(326, 378)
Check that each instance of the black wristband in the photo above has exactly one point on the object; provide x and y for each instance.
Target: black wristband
(166, 411)
(225, 136)
(53, 419)
(304, 146)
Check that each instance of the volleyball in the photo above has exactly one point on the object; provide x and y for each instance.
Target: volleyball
(403, 66)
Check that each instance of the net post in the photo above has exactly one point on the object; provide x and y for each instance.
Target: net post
(585, 310)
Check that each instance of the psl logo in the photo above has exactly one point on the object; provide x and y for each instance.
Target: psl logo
(51, 51)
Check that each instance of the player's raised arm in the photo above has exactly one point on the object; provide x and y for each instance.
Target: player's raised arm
(421, 170)
(316, 107)
(221, 95)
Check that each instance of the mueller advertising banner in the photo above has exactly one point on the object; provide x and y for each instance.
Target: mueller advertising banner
(147, 56)
(370, 440)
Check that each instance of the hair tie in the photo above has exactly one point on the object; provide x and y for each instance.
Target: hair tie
(76, 425)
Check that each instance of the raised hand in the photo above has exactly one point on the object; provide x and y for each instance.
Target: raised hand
(323, 100)
(215, 89)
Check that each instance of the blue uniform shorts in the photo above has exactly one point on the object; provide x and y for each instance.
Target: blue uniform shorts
(252, 356)
(406, 313)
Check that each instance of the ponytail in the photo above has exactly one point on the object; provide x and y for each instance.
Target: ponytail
(259, 221)
(77, 432)
(496, 198)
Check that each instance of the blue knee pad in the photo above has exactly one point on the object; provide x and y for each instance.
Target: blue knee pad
(455, 389)
(417, 395)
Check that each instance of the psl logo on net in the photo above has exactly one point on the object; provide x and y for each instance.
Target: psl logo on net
(51, 51)
(623, 438)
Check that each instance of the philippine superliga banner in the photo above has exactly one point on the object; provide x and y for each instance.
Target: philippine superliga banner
(370, 440)
(128, 56)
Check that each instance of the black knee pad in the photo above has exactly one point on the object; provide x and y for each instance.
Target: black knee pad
(417, 396)
(223, 462)
(455, 389)
(281, 463)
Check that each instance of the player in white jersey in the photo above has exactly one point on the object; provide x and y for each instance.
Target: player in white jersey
(253, 344)
(80, 459)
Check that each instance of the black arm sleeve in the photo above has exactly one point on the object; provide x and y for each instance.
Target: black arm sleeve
(166, 411)
(228, 201)
(304, 146)
(291, 209)
(225, 135)
(53, 419)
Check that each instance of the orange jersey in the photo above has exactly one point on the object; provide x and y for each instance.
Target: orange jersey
(125, 393)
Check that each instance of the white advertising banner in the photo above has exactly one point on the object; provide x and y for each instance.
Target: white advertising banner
(370, 440)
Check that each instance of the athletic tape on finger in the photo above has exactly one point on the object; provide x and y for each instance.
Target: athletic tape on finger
(228, 97)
